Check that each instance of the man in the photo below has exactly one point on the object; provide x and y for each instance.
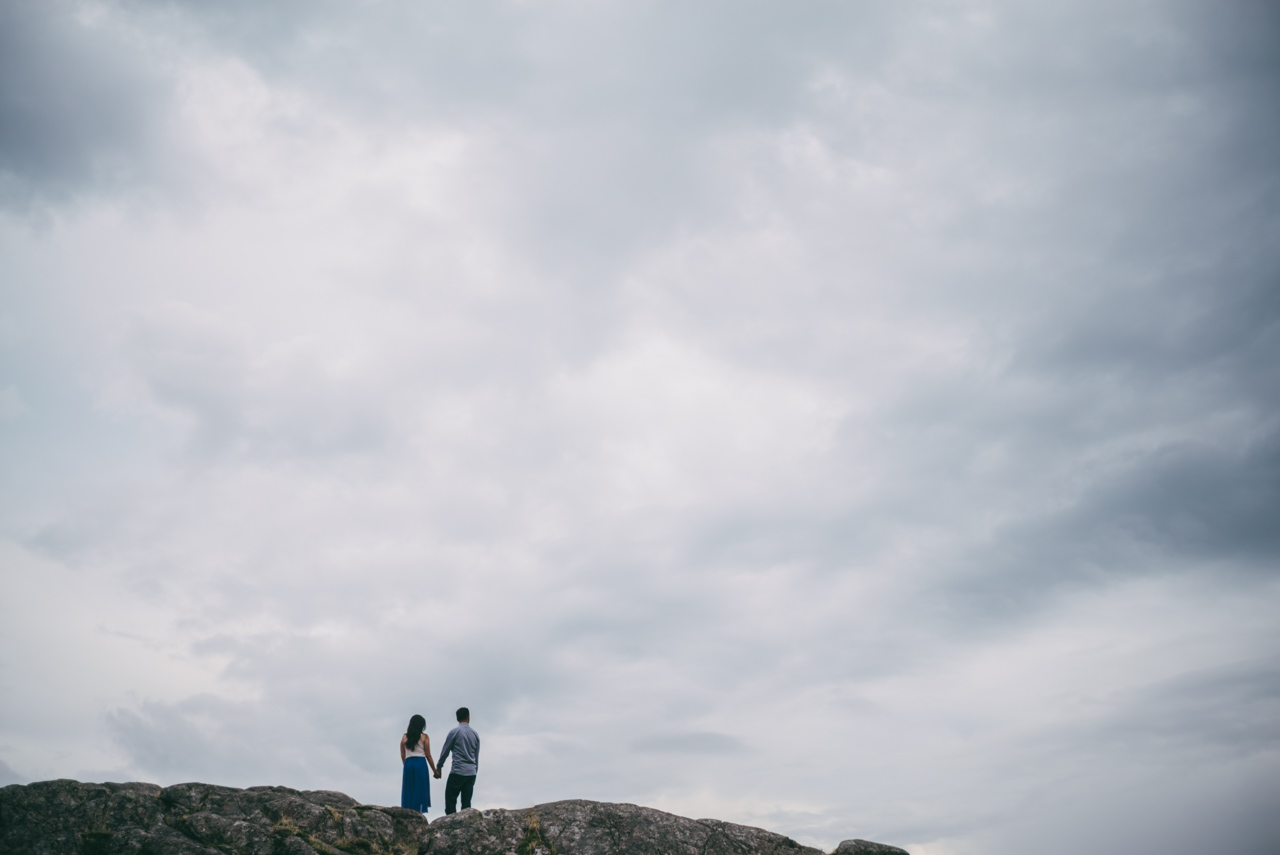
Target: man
(465, 745)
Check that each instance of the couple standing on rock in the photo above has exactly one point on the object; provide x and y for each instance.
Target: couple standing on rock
(415, 754)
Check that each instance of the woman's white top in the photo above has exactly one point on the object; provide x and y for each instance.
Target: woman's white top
(416, 752)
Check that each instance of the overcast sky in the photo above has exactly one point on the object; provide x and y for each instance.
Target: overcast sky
(859, 419)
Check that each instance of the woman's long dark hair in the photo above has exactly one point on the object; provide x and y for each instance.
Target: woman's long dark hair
(414, 733)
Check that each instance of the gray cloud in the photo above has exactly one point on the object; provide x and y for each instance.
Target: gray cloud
(77, 107)
(690, 744)
(9, 776)
(660, 382)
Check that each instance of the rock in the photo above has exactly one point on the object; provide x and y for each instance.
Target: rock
(866, 847)
(594, 828)
(70, 818)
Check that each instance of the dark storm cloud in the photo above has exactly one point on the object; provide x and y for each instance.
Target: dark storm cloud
(1201, 480)
(1198, 501)
(1180, 508)
(77, 106)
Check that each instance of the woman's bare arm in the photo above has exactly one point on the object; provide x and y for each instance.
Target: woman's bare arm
(403, 739)
(426, 749)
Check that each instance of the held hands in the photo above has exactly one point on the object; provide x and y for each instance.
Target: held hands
(437, 773)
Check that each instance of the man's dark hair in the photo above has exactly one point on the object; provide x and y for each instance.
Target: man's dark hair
(463, 713)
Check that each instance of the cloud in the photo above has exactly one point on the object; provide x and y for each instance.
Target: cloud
(689, 744)
(79, 107)
(8, 776)
(856, 421)
(11, 404)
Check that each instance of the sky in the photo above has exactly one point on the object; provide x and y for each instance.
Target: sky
(857, 419)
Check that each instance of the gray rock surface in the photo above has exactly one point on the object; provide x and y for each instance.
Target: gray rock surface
(866, 847)
(70, 818)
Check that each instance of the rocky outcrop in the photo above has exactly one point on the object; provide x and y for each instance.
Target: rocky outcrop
(865, 847)
(70, 818)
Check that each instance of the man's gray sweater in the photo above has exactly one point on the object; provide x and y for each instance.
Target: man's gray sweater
(465, 745)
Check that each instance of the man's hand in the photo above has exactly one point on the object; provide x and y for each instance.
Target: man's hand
(437, 773)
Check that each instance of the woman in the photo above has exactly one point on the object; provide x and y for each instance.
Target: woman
(415, 754)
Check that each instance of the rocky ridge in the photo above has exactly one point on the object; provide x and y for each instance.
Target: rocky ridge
(70, 818)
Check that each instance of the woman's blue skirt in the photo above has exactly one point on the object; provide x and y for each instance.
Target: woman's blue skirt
(415, 791)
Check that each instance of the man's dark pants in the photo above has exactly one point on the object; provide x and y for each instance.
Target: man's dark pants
(458, 785)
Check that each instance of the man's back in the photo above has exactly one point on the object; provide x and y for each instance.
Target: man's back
(464, 743)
